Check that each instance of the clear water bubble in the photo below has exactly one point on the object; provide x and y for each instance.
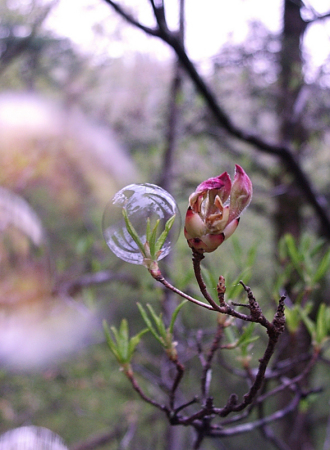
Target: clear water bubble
(140, 202)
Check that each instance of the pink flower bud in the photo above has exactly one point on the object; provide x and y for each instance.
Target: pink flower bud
(214, 210)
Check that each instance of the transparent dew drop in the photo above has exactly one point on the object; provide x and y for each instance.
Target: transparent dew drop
(140, 202)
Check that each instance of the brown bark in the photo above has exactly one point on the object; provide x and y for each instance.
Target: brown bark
(288, 215)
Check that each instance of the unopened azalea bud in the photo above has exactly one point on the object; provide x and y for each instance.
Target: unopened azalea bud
(214, 210)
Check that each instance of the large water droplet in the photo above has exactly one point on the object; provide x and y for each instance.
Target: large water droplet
(140, 202)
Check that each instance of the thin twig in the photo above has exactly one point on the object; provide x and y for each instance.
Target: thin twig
(176, 382)
(208, 361)
(130, 19)
(168, 285)
(130, 375)
(99, 439)
(288, 383)
(246, 427)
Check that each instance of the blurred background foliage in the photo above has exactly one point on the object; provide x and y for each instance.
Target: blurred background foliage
(75, 128)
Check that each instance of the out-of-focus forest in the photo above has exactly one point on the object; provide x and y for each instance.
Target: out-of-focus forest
(75, 127)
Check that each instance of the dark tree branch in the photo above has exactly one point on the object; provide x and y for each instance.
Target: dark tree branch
(176, 382)
(246, 427)
(130, 19)
(99, 439)
(130, 375)
(91, 279)
(15, 46)
(208, 361)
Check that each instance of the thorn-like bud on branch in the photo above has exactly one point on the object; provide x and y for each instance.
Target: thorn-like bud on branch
(279, 318)
(221, 289)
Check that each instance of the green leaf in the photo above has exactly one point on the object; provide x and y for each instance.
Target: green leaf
(294, 254)
(162, 238)
(282, 249)
(305, 243)
(122, 346)
(152, 240)
(310, 325)
(293, 318)
(317, 247)
(237, 251)
(148, 230)
(148, 322)
(321, 324)
(111, 344)
(322, 268)
(123, 339)
(134, 342)
(159, 322)
(251, 256)
(175, 315)
(210, 279)
(133, 232)
(246, 337)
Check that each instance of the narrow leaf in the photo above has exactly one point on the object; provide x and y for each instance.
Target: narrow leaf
(111, 344)
(310, 325)
(294, 254)
(133, 232)
(317, 247)
(148, 230)
(321, 324)
(147, 321)
(322, 268)
(134, 342)
(175, 315)
(152, 240)
(124, 339)
(162, 238)
(159, 322)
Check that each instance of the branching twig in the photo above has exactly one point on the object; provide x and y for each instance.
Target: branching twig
(130, 375)
(176, 382)
(208, 361)
(168, 285)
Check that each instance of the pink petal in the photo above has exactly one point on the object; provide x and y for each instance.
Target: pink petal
(194, 225)
(230, 228)
(241, 193)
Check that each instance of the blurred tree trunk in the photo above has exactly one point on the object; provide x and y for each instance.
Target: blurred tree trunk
(288, 212)
(174, 436)
(291, 129)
